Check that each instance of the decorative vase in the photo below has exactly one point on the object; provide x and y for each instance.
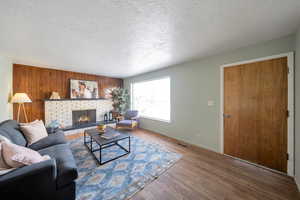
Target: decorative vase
(54, 95)
(105, 117)
(110, 116)
(101, 127)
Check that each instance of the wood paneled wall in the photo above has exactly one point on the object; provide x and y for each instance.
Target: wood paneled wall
(39, 83)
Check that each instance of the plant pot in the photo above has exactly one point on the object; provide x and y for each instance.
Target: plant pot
(115, 114)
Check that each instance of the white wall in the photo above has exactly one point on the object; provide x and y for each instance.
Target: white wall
(193, 84)
(5, 88)
(297, 111)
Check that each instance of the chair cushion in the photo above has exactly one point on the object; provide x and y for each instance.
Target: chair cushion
(125, 122)
(131, 114)
(65, 163)
(10, 130)
(50, 140)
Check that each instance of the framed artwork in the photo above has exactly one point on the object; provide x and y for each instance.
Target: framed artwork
(82, 89)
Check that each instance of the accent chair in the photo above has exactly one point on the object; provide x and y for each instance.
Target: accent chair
(130, 121)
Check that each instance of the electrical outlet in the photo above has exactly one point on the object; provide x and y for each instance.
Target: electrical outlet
(210, 103)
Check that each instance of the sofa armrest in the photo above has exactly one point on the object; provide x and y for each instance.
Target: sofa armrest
(37, 180)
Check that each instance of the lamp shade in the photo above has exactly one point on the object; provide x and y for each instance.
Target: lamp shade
(21, 98)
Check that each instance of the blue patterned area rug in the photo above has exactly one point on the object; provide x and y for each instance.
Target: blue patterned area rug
(122, 178)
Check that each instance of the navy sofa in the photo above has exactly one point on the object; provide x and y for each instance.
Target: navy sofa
(50, 179)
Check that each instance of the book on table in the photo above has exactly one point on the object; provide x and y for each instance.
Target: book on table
(110, 135)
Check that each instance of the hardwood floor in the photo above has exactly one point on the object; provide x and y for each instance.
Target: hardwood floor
(203, 174)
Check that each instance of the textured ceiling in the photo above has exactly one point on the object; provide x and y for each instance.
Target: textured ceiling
(121, 38)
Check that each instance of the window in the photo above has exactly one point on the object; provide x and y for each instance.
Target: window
(152, 98)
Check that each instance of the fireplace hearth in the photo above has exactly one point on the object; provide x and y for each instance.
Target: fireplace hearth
(83, 117)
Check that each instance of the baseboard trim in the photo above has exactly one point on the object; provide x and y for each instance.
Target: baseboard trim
(260, 166)
(190, 146)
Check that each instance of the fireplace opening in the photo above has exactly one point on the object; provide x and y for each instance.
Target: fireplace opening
(83, 117)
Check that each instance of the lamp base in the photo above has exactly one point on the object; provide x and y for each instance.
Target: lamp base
(19, 109)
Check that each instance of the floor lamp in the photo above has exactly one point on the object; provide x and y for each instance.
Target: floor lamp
(21, 98)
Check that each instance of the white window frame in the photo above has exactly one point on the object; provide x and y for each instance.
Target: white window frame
(154, 79)
(290, 131)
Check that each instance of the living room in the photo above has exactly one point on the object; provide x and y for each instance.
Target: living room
(150, 100)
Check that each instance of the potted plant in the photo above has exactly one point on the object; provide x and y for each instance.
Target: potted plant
(120, 99)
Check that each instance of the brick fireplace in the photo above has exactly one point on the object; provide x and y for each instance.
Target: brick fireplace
(62, 111)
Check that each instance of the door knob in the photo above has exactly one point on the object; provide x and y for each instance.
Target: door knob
(226, 115)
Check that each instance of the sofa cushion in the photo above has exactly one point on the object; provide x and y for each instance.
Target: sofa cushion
(50, 140)
(66, 166)
(10, 130)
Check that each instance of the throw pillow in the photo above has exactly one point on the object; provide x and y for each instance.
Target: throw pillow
(5, 171)
(17, 156)
(3, 164)
(34, 131)
(4, 139)
(29, 160)
(29, 123)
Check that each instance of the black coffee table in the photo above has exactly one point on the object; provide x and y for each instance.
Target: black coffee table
(93, 135)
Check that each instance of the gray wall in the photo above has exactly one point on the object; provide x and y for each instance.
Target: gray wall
(297, 118)
(193, 84)
(6, 88)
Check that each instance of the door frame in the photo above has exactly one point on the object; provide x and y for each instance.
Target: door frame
(290, 122)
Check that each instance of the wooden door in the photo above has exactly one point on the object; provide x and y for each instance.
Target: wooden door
(255, 112)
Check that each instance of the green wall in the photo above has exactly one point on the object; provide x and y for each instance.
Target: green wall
(6, 88)
(193, 84)
(297, 111)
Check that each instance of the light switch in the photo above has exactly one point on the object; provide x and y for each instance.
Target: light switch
(210, 103)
